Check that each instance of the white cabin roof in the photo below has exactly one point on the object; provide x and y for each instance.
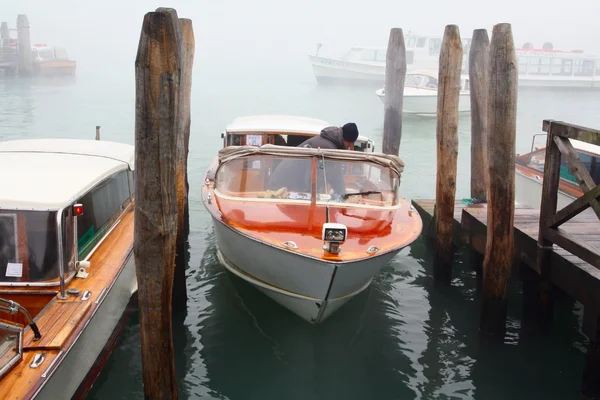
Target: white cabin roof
(47, 174)
(285, 124)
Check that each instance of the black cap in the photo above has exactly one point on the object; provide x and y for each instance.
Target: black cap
(350, 132)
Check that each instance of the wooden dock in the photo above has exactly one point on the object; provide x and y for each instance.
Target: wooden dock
(568, 272)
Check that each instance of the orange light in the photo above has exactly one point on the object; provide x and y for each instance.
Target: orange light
(78, 208)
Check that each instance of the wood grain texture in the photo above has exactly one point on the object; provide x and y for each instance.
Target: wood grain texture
(158, 69)
(451, 54)
(478, 84)
(502, 124)
(395, 74)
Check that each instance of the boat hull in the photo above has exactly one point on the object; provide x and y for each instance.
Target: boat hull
(528, 191)
(312, 289)
(331, 70)
(424, 102)
(56, 68)
(79, 367)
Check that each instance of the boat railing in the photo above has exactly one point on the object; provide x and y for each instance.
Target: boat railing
(559, 145)
(13, 307)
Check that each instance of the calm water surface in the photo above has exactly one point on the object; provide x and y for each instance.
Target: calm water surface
(402, 338)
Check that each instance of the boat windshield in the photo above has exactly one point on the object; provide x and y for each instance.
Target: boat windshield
(29, 246)
(418, 80)
(289, 178)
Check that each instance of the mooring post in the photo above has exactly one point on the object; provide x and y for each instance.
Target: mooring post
(97, 132)
(4, 34)
(395, 74)
(25, 52)
(447, 151)
(181, 259)
(502, 124)
(158, 71)
(478, 84)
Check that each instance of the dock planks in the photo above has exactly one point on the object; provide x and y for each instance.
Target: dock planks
(568, 272)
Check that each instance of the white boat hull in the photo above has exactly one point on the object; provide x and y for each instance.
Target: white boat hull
(424, 102)
(528, 191)
(329, 70)
(309, 287)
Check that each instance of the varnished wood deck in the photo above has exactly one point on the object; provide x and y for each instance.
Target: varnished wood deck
(62, 320)
(567, 271)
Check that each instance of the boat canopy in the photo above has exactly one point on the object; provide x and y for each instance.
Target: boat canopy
(386, 160)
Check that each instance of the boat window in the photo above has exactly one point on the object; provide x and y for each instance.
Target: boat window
(421, 42)
(291, 178)
(591, 163)
(414, 80)
(368, 55)
(434, 46)
(28, 246)
(46, 54)
(102, 205)
(411, 42)
(60, 53)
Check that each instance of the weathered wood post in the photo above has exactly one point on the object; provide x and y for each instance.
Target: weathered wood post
(158, 70)
(4, 34)
(25, 52)
(97, 132)
(447, 151)
(502, 120)
(478, 84)
(395, 74)
(188, 50)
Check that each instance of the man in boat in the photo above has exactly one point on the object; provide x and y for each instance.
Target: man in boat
(288, 174)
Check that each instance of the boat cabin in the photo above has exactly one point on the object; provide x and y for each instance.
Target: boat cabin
(280, 130)
(276, 173)
(59, 199)
(588, 154)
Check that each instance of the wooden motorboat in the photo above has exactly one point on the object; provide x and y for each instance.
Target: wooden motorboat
(308, 227)
(529, 175)
(67, 269)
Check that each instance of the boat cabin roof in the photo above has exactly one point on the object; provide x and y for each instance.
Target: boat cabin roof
(47, 174)
(283, 124)
(387, 160)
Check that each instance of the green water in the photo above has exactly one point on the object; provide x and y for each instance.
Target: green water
(402, 338)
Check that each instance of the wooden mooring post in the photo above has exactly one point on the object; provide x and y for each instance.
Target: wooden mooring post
(451, 54)
(478, 85)
(160, 71)
(181, 259)
(4, 34)
(502, 122)
(395, 74)
(25, 53)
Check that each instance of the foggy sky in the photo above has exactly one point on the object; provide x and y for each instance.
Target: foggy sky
(104, 35)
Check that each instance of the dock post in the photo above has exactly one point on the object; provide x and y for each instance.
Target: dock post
(158, 71)
(395, 74)
(478, 85)
(97, 132)
(182, 257)
(4, 34)
(502, 122)
(25, 52)
(450, 66)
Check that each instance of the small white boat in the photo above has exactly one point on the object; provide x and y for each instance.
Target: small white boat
(420, 94)
(279, 226)
(529, 175)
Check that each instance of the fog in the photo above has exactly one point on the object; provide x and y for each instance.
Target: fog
(103, 36)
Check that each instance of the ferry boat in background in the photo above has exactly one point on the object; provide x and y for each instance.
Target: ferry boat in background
(52, 60)
(538, 67)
